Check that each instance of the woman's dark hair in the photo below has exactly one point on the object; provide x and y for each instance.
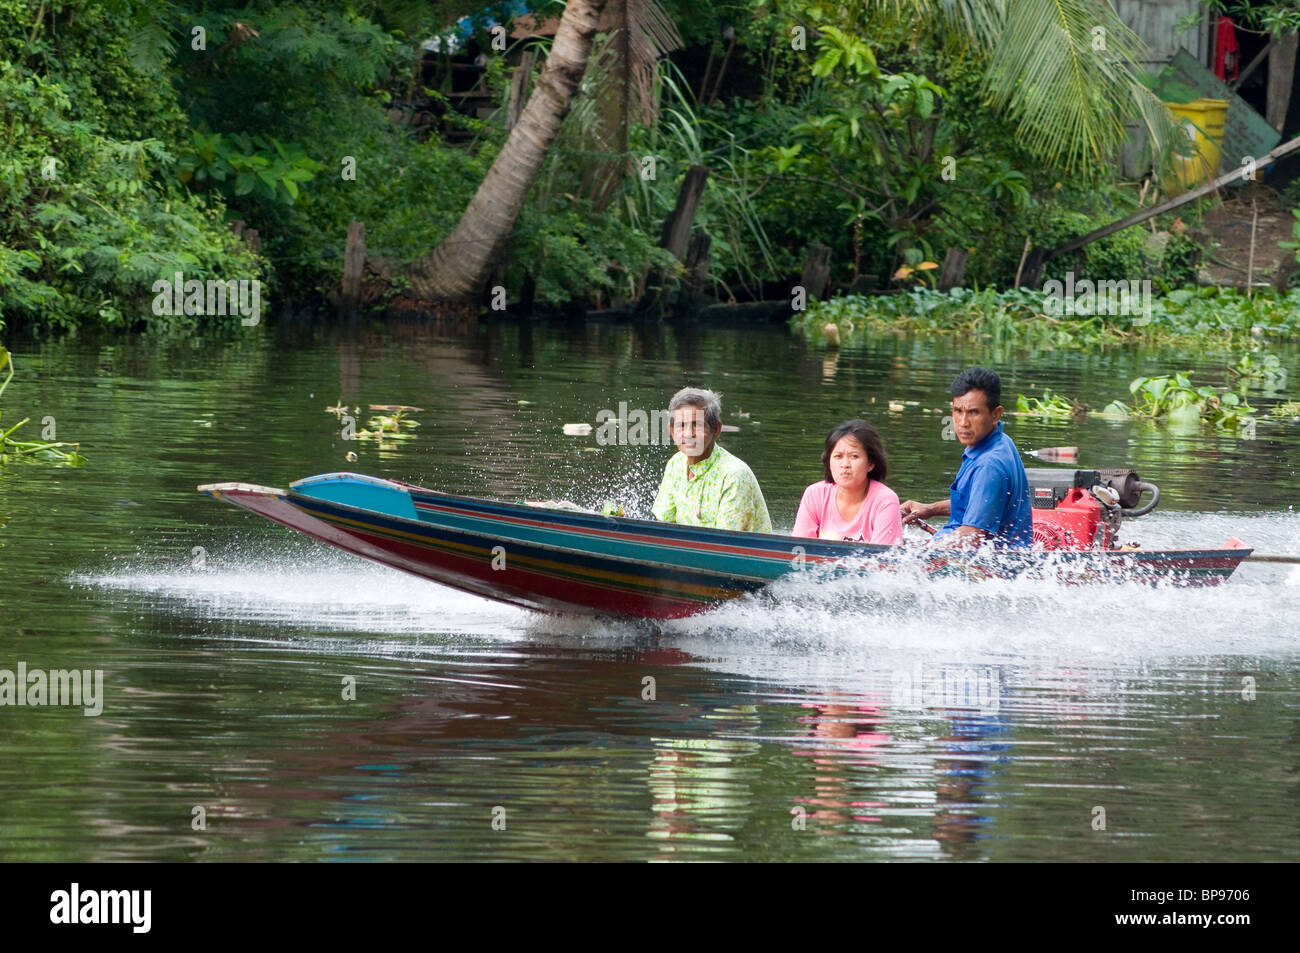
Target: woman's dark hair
(866, 435)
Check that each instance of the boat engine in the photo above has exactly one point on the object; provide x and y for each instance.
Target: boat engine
(1083, 509)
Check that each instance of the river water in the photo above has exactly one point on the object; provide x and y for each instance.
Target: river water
(868, 719)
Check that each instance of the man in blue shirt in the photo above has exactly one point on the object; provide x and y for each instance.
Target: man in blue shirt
(990, 497)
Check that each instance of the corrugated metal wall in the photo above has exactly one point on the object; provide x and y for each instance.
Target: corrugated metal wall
(1155, 21)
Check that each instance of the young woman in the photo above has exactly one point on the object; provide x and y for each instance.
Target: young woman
(853, 502)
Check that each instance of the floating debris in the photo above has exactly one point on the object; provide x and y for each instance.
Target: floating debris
(391, 424)
(577, 430)
(1056, 454)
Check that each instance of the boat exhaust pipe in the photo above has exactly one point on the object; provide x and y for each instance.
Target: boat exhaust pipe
(1130, 488)
(1143, 487)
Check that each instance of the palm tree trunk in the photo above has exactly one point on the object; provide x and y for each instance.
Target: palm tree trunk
(458, 268)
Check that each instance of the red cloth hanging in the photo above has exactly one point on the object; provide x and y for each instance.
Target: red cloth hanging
(1227, 62)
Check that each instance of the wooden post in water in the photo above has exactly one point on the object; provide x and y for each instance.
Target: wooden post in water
(677, 227)
(696, 276)
(675, 237)
(354, 263)
(816, 271)
(954, 269)
(698, 260)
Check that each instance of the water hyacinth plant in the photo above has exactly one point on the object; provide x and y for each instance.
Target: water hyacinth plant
(1050, 406)
(1171, 399)
(1175, 399)
(1264, 370)
(1211, 318)
(12, 450)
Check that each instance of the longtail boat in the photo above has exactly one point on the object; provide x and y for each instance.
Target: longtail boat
(566, 561)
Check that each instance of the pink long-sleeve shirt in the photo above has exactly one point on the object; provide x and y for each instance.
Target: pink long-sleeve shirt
(878, 521)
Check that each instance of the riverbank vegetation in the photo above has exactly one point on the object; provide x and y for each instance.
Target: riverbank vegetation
(141, 139)
(1219, 319)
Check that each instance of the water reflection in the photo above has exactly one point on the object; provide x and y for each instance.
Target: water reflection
(965, 782)
(845, 737)
(934, 723)
(699, 790)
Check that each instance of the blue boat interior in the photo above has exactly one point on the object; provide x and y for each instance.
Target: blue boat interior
(363, 492)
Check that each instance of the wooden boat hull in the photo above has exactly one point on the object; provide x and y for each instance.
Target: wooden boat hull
(561, 561)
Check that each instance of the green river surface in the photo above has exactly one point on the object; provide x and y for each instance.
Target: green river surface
(860, 719)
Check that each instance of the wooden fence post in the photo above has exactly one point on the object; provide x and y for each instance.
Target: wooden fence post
(354, 263)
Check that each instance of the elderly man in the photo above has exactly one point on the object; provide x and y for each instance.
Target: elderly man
(703, 484)
(990, 497)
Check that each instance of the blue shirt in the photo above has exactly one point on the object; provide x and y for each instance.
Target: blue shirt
(991, 492)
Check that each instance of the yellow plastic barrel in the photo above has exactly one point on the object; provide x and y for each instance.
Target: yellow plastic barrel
(1203, 121)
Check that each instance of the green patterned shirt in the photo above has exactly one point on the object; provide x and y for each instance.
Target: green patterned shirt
(720, 491)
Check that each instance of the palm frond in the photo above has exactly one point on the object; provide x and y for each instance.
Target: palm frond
(624, 72)
(975, 21)
(1062, 70)
(642, 32)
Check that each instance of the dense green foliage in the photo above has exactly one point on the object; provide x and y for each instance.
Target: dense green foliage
(90, 210)
(140, 139)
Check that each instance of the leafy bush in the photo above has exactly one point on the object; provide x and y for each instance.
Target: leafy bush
(247, 165)
(408, 194)
(1180, 264)
(1120, 256)
(575, 254)
(89, 222)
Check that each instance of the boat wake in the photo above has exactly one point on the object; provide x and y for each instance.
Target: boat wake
(321, 591)
(315, 589)
(1012, 617)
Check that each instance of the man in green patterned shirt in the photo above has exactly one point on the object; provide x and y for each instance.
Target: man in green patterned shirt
(703, 484)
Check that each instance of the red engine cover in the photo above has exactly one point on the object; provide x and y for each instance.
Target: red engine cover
(1071, 525)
